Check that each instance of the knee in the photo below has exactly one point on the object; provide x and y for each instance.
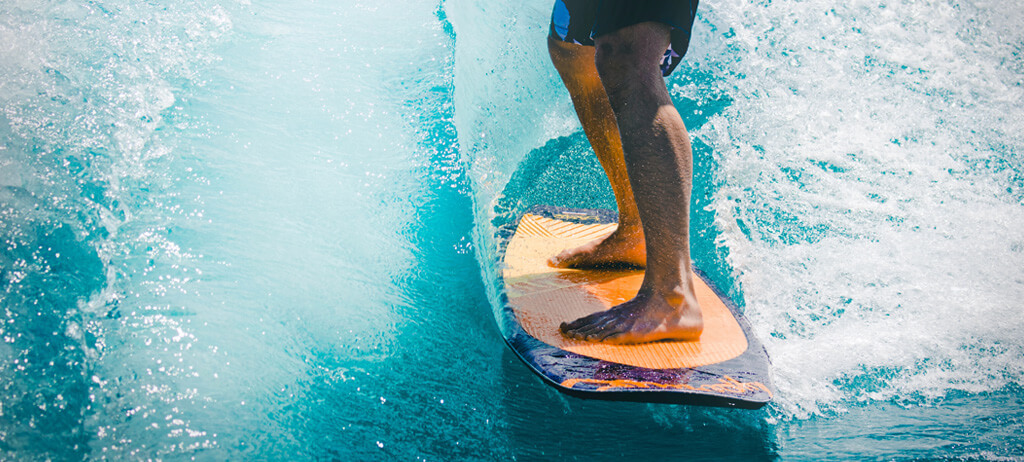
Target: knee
(626, 68)
(630, 57)
(616, 64)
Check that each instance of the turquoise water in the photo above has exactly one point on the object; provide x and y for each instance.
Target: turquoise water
(266, 230)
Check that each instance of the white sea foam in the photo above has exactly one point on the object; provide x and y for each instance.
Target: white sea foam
(871, 198)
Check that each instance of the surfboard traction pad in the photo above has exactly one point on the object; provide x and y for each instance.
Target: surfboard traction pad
(727, 367)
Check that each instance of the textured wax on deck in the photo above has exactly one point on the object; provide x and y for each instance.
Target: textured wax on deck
(721, 368)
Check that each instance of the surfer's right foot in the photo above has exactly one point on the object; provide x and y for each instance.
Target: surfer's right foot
(615, 250)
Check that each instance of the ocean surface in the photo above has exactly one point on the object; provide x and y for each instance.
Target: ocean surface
(259, 230)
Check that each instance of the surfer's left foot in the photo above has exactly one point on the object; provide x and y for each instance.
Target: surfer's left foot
(624, 247)
(649, 317)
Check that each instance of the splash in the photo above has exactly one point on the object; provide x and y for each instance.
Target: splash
(868, 199)
(86, 91)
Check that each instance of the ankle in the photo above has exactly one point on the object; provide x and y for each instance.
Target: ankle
(676, 292)
(630, 229)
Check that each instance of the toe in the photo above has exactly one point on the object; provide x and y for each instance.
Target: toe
(593, 331)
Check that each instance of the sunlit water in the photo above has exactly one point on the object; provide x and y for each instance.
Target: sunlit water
(267, 230)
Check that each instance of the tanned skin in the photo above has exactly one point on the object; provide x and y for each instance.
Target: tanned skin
(640, 140)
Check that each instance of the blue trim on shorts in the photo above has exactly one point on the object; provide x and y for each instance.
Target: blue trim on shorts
(560, 19)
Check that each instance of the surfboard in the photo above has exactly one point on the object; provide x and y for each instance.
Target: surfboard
(726, 367)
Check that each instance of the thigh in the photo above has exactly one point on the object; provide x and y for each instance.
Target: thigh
(633, 50)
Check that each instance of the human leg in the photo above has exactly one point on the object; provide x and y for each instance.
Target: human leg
(625, 246)
(659, 165)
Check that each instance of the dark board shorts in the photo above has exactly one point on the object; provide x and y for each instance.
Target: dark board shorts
(579, 21)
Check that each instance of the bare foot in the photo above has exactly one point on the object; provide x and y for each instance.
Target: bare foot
(617, 249)
(647, 318)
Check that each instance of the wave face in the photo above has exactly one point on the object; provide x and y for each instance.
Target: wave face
(858, 183)
(216, 220)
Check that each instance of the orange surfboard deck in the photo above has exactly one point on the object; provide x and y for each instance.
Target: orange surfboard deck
(540, 297)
